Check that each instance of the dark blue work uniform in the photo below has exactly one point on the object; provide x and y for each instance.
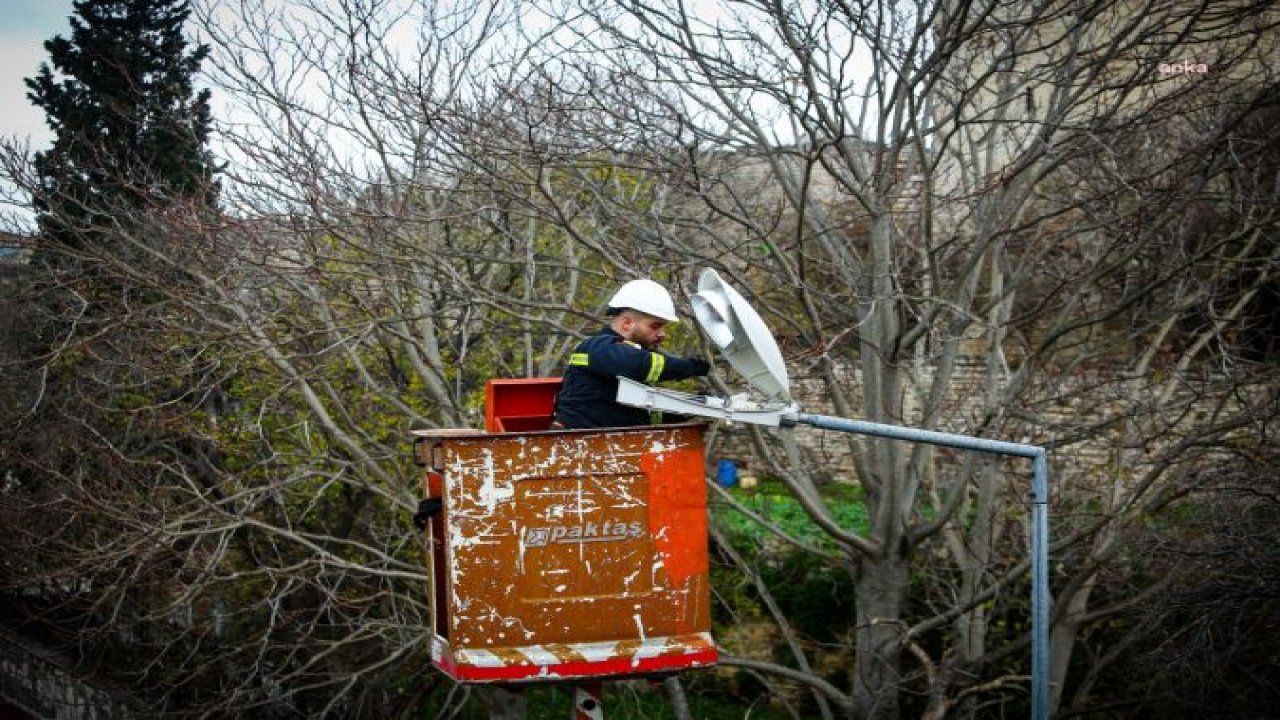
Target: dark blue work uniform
(589, 390)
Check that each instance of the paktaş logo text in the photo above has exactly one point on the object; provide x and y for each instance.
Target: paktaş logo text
(607, 531)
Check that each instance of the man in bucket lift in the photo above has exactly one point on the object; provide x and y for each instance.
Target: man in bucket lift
(628, 346)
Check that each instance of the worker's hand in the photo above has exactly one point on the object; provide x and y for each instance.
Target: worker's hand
(700, 366)
(426, 509)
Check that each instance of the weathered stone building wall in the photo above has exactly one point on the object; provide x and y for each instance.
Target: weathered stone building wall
(44, 685)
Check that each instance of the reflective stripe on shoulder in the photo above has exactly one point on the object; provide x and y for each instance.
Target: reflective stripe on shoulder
(657, 361)
(578, 359)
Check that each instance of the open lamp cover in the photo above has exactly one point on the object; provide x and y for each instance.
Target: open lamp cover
(741, 335)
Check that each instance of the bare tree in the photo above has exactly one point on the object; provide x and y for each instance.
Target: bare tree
(229, 511)
(968, 203)
(993, 220)
(400, 221)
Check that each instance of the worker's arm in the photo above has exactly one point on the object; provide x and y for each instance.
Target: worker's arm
(678, 368)
(636, 363)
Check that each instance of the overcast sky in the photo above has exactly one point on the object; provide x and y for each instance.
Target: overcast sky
(24, 26)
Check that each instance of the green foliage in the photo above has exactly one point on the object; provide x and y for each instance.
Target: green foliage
(772, 501)
(816, 597)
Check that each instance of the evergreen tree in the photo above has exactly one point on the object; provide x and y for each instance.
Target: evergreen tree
(129, 128)
(128, 166)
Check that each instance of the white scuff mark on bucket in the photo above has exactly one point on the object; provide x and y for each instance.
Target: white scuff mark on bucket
(520, 546)
(639, 626)
(490, 493)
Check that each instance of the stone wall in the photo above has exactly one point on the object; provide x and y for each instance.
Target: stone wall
(45, 685)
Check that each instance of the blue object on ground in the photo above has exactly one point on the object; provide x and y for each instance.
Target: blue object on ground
(726, 473)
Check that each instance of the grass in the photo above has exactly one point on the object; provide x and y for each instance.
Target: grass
(773, 501)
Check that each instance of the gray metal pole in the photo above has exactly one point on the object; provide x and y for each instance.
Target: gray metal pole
(1039, 524)
(932, 437)
(1040, 586)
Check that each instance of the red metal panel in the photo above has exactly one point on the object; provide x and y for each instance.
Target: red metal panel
(520, 404)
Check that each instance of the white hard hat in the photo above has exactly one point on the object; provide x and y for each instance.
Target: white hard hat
(645, 296)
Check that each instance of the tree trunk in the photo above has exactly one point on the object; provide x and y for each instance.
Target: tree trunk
(503, 704)
(881, 590)
(675, 692)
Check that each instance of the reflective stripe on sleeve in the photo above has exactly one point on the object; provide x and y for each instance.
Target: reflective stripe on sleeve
(657, 361)
(578, 359)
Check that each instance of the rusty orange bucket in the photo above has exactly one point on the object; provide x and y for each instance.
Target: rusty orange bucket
(564, 554)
